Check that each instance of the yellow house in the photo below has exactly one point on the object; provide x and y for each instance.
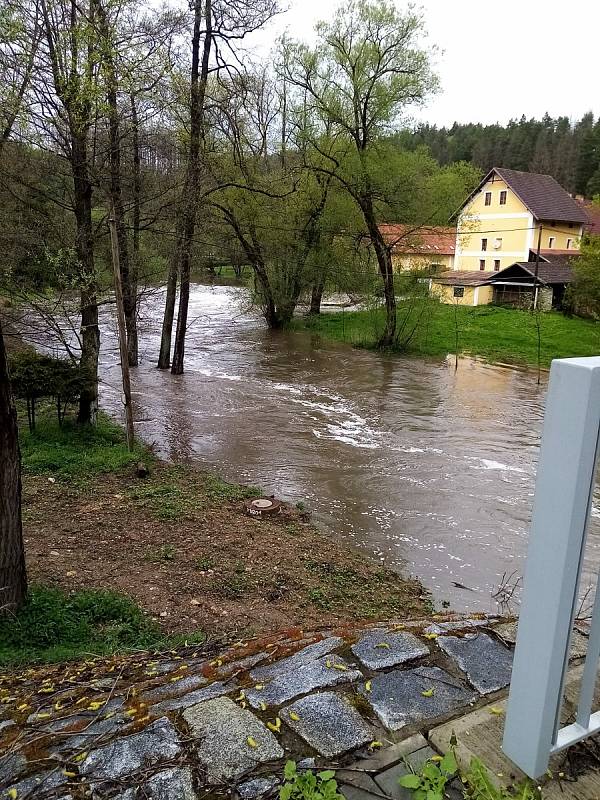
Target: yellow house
(502, 222)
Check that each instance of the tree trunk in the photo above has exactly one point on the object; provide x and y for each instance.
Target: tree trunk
(13, 576)
(137, 194)
(191, 190)
(316, 296)
(164, 357)
(116, 195)
(384, 262)
(84, 247)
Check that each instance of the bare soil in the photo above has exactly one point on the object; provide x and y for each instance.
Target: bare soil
(182, 545)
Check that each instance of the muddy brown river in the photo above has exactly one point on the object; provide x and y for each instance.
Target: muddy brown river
(428, 469)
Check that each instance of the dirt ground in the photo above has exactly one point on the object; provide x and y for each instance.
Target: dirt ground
(181, 544)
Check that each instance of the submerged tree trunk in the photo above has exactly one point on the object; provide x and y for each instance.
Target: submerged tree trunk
(191, 191)
(13, 576)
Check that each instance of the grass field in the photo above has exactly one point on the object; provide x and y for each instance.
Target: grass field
(494, 333)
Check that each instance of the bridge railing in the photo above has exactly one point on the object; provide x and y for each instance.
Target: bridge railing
(561, 512)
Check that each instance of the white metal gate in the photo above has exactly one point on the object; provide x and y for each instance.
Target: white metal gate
(561, 511)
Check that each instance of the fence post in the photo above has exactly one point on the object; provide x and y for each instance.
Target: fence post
(561, 510)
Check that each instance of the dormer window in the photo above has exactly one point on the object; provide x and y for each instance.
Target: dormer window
(503, 194)
(551, 240)
(488, 198)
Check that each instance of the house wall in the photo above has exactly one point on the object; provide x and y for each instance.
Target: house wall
(511, 222)
(412, 262)
(473, 296)
(561, 232)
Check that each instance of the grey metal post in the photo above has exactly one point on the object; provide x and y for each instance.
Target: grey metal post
(561, 509)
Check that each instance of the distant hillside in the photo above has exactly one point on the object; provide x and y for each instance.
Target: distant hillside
(568, 151)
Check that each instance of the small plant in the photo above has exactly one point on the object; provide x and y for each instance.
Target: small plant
(307, 785)
(430, 781)
(165, 552)
(301, 506)
(204, 563)
(479, 786)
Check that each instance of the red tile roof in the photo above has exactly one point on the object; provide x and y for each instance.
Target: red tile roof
(422, 240)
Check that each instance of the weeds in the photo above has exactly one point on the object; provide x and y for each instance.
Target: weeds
(160, 554)
(56, 626)
(308, 785)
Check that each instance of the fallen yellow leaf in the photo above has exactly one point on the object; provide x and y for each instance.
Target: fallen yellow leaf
(428, 693)
(95, 705)
(259, 686)
(294, 716)
(374, 745)
(252, 742)
(368, 686)
(263, 705)
(431, 635)
(12, 793)
(496, 710)
(341, 667)
(383, 646)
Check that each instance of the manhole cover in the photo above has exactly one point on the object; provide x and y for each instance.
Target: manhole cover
(262, 505)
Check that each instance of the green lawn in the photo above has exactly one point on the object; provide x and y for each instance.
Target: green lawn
(494, 333)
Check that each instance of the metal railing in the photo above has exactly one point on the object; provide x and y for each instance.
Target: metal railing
(561, 512)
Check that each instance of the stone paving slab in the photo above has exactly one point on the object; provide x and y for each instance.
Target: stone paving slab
(92, 733)
(308, 654)
(216, 689)
(328, 723)
(257, 787)
(169, 784)
(325, 671)
(397, 697)
(232, 740)
(12, 765)
(579, 643)
(392, 754)
(388, 780)
(35, 784)
(167, 690)
(486, 662)
(357, 785)
(458, 625)
(159, 741)
(380, 648)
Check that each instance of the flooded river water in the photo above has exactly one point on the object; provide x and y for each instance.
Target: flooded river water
(429, 469)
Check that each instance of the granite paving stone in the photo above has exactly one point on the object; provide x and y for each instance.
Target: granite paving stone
(92, 733)
(35, 784)
(168, 690)
(579, 643)
(216, 689)
(486, 662)
(455, 625)
(305, 656)
(243, 664)
(12, 765)
(232, 739)
(159, 741)
(168, 784)
(397, 697)
(328, 723)
(326, 671)
(5, 724)
(380, 648)
(257, 787)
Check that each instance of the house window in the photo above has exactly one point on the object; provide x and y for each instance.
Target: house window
(503, 198)
(498, 243)
(496, 265)
(569, 244)
(484, 244)
(459, 291)
(482, 263)
(488, 200)
(551, 240)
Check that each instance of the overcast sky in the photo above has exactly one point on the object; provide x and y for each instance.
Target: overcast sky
(497, 60)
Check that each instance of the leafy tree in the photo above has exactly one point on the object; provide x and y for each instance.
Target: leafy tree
(367, 67)
(583, 295)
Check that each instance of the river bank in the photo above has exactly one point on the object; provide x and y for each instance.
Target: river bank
(180, 544)
(499, 335)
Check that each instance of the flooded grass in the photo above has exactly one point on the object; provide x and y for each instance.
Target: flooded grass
(494, 333)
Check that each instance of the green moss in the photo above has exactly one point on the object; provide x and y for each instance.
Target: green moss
(496, 334)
